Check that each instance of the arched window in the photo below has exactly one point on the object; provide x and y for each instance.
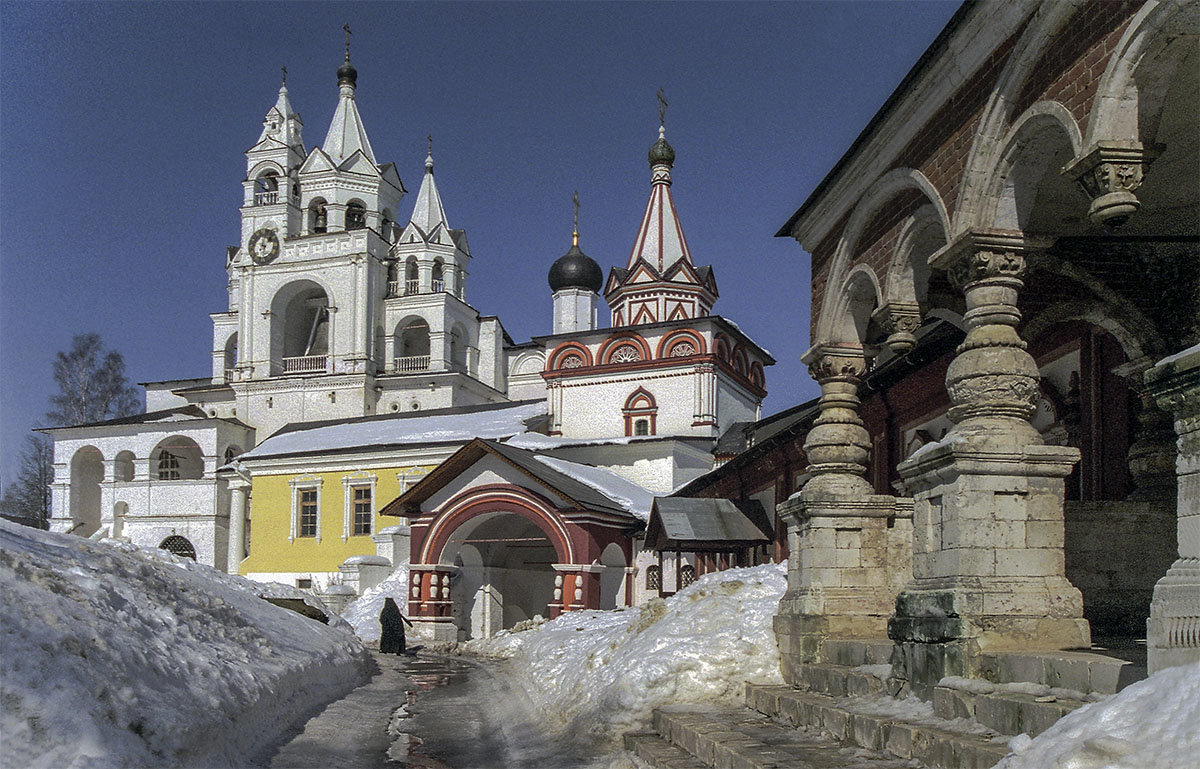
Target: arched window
(179, 546)
(231, 347)
(626, 353)
(356, 216)
(300, 329)
(318, 217)
(653, 578)
(232, 453)
(641, 413)
(412, 346)
(177, 458)
(385, 225)
(123, 466)
(439, 283)
(266, 189)
(412, 277)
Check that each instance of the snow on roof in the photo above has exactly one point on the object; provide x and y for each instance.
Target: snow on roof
(446, 427)
(536, 441)
(624, 492)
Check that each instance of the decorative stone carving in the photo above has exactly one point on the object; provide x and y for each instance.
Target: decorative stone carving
(838, 445)
(1152, 453)
(899, 320)
(1109, 173)
(988, 560)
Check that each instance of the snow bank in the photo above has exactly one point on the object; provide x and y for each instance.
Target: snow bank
(1153, 724)
(601, 673)
(363, 613)
(118, 656)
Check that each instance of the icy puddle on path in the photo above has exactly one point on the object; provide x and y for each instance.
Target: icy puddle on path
(433, 712)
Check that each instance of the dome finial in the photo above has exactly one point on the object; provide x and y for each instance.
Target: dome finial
(662, 153)
(347, 74)
(575, 228)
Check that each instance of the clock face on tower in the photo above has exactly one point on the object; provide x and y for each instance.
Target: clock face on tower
(264, 246)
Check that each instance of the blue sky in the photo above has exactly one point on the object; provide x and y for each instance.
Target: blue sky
(122, 127)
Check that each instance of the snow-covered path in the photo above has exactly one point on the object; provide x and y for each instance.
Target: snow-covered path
(454, 713)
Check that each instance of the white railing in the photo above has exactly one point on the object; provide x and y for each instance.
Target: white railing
(266, 198)
(439, 286)
(411, 287)
(406, 363)
(393, 288)
(306, 364)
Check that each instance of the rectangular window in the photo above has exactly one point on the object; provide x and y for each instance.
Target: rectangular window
(168, 466)
(641, 427)
(362, 510)
(304, 583)
(308, 513)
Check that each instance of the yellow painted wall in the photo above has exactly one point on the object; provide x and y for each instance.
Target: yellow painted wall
(271, 513)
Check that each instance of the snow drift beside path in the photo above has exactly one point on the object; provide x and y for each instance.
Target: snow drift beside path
(603, 672)
(1153, 724)
(363, 612)
(118, 656)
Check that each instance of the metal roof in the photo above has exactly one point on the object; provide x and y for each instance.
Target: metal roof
(688, 522)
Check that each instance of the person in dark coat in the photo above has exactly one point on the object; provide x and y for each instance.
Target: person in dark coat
(392, 622)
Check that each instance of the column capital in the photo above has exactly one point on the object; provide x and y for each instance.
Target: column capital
(985, 254)
(899, 320)
(1109, 172)
(831, 362)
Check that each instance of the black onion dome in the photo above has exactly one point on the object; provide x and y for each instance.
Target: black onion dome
(575, 269)
(662, 153)
(347, 74)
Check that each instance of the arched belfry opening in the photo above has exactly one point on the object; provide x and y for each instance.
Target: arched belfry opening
(411, 343)
(266, 189)
(300, 329)
(505, 572)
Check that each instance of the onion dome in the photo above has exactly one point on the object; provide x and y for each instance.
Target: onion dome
(575, 269)
(662, 153)
(347, 74)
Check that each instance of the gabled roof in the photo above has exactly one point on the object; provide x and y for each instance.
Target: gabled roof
(689, 523)
(317, 160)
(585, 486)
(385, 431)
(359, 164)
(188, 413)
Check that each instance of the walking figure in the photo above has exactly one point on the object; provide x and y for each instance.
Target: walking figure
(392, 622)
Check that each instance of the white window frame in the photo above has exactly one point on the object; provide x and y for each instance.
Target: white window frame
(298, 485)
(349, 483)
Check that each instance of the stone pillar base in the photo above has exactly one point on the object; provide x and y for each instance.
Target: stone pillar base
(851, 557)
(440, 629)
(940, 632)
(1173, 630)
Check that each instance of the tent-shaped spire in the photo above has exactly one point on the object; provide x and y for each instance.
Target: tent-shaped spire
(282, 123)
(660, 241)
(428, 212)
(346, 133)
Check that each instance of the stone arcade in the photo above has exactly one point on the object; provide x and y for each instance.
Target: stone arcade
(1037, 158)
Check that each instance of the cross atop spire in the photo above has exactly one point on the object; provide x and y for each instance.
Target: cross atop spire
(662, 109)
(575, 228)
(284, 69)
(346, 27)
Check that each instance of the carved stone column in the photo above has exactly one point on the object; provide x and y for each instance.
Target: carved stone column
(852, 548)
(1110, 173)
(1152, 453)
(899, 320)
(988, 563)
(1173, 630)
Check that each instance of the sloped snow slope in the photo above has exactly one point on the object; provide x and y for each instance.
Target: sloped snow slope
(601, 673)
(363, 612)
(1153, 724)
(119, 657)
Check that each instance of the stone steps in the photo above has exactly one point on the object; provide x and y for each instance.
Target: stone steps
(694, 736)
(933, 745)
